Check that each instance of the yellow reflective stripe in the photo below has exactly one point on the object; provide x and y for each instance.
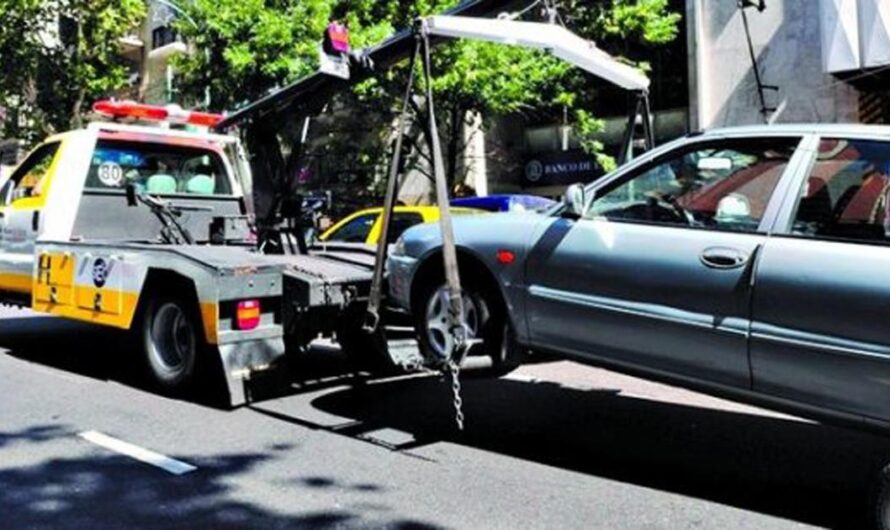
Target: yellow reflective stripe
(122, 320)
(18, 283)
(210, 318)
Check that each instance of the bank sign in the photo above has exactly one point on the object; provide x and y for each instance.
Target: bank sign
(560, 168)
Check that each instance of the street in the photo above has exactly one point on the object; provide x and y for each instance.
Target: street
(555, 445)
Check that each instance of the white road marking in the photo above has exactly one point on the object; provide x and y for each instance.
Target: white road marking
(166, 463)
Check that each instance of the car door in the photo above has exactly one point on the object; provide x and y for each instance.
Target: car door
(22, 198)
(822, 288)
(657, 273)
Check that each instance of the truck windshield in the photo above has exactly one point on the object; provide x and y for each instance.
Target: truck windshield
(157, 169)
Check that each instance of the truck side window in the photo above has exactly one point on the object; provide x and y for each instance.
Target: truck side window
(847, 193)
(30, 177)
(723, 185)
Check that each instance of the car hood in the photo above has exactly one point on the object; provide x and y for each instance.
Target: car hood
(477, 232)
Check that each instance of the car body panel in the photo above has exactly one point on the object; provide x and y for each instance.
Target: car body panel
(800, 327)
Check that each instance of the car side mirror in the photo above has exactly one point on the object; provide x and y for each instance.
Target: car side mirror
(131, 195)
(575, 201)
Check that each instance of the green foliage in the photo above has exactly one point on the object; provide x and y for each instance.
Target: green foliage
(243, 49)
(57, 57)
(648, 19)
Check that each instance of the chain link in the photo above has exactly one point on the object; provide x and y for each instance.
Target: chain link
(454, 369)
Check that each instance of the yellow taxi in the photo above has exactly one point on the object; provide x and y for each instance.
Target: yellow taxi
(364, 226)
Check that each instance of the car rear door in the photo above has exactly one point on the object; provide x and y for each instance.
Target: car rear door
(657, 274)
(822, 289)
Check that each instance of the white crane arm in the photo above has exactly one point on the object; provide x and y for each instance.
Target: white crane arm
(557, 40)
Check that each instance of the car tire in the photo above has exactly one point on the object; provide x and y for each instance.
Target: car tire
(171, 341)
(880, 500)
(486, 318)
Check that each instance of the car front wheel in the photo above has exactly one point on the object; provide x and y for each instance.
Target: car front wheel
(485, 320)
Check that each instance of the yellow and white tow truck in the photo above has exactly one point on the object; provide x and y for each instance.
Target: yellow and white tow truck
(149, 229)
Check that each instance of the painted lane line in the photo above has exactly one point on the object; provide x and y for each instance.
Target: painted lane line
(166, 463)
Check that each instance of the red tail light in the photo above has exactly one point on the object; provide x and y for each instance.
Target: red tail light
(247, 315)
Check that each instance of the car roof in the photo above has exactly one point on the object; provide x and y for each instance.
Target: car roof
(409, 209)
(842, 129)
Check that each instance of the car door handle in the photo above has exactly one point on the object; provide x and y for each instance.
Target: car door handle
(723, 258)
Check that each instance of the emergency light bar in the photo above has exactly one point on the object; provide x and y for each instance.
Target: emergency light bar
(170, 113)
(337, 38)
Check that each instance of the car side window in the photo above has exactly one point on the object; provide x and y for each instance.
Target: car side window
(355, 231)
(847, 193)
(400, 222)
(30, 177)
(724, 185)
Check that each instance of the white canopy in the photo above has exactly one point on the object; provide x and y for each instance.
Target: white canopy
(555, 39)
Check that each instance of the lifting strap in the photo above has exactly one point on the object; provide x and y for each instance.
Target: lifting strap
(372, 319)
(456, 321)
(457, 325)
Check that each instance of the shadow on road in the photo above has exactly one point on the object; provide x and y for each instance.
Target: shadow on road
(801, 471)
(102, 491)
(91, 351)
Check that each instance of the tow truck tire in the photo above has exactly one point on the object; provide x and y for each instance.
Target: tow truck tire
(486, 318)
(170, 340)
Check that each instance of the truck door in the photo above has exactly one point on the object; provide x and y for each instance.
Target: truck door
(22, 199)
(822, 289)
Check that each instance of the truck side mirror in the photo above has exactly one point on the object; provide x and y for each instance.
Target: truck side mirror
(575, 200)
(131, 195)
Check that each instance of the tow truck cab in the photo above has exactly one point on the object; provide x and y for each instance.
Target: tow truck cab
(72, 188)
(76, 244)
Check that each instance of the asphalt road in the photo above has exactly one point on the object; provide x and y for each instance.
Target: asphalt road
(557, 445)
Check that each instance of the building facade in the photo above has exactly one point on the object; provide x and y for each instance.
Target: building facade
(817, 61)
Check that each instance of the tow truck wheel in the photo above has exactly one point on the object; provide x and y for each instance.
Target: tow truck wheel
(485, 319)
(170, 341)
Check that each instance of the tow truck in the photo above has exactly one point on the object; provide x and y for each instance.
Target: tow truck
(156, 230)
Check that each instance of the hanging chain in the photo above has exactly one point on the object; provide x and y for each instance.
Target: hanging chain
(454, 369)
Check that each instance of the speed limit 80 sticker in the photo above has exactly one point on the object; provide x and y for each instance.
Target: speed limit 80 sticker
(111, 174)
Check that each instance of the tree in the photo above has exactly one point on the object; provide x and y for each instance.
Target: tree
(57, 57)
(245, 48)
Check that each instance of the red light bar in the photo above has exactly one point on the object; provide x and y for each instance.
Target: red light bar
(141, 111)
(206, 119)
(130, 109)
(339, 37)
